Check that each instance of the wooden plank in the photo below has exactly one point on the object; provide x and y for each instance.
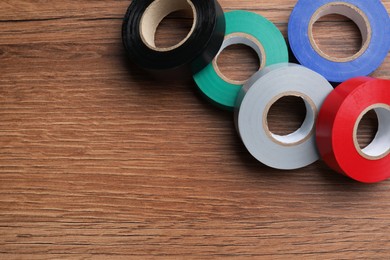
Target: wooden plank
(98, 160)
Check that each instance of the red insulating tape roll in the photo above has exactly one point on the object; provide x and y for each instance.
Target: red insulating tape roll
(337, 126)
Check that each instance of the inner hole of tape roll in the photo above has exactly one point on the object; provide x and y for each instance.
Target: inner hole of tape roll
(355, 15)
(380, 144)
(243, 65)
(303, 117)
(367, 129)
(155, 14)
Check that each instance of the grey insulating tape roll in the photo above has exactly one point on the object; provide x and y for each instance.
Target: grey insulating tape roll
(192, 54)
(266, 87)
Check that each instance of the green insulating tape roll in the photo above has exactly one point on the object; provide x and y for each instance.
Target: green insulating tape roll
(250, 29)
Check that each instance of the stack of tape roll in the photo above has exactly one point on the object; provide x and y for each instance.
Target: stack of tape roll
(252, 30)
(370, 16)
(329, 130)
(192, 54)
(337, 129)
(266, 87)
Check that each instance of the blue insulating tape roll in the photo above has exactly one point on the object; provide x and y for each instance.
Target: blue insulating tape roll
(370, 16)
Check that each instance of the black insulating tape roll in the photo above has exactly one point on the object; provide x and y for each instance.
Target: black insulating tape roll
(197, 50)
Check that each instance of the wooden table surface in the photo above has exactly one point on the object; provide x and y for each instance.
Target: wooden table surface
(100, 161)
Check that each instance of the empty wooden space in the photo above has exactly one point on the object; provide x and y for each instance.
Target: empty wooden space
(100, 161)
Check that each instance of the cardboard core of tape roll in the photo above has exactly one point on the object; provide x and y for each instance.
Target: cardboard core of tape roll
(304, 132)
(156, 12)
(245, 39)
(380, 145)
(350, 11)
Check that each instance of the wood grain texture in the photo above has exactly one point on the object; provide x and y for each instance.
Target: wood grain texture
(100, 161)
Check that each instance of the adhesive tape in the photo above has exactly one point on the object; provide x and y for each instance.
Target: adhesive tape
(370, 16)
(193, 53)
(337, 126)
(249, 29)
(254, 101)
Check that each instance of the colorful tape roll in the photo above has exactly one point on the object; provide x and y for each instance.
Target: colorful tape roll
(192, 54)
(256, 98)
(249, 29)
(370, 16)
(337, 126)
